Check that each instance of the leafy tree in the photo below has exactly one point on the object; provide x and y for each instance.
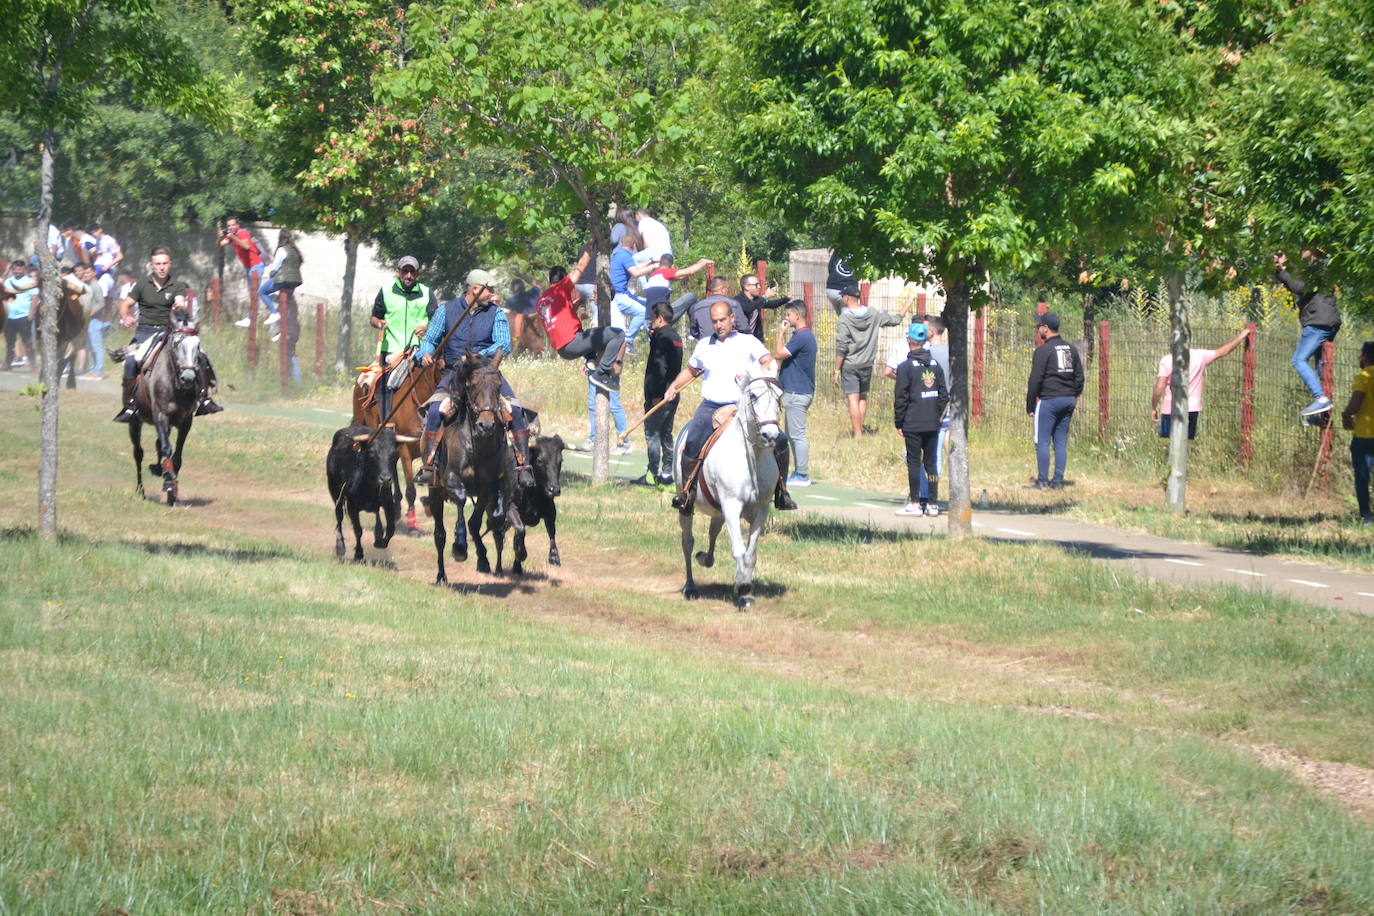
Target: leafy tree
(352, 162)
(958, 138)
(592, 122)
(56, 56)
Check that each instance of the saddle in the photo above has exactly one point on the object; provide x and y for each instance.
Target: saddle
(720, 420)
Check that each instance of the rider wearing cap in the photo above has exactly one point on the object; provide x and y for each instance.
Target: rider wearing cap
(158, 296)
(402, 312)
(486, 332)
(718, 360)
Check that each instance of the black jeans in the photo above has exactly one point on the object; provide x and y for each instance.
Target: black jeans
(605, 341)
(16, 329)
(658, 437)
(922, 451)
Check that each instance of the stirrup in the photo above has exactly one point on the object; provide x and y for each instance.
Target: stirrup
(207, 406)
(425, 477)
(127, 414)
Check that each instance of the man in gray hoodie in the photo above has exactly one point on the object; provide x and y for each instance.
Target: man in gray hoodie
(856, 345)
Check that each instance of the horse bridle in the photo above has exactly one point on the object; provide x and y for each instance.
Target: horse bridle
(767, 380)
(476, 413)
(174, 337)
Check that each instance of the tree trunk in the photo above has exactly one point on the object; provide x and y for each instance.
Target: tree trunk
(341, 360)
(1090, 322)
(956, 321)
(601, 417)
(47, 449)
(1179, 338)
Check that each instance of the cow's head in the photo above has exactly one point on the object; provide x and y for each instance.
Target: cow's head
(379, 458)
(546, 457)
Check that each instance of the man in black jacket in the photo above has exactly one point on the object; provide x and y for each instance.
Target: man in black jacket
(751, 300)
(1320, 320)
(918, 403)
(1056, 381)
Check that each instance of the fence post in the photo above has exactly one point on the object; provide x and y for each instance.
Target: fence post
(1247, 396)
(980, 335)
(1104, 365)
(863, 293)
(284, 339)
(921, 308)
(215, 293)
(319, 339)
(710, 274)
(807, 289)
(1041, 308)
(253, 331)
(1328, 427)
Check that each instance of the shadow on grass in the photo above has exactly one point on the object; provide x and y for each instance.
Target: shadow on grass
(842, 532)
(201, 550)
(494, 589)
(1266, 544)
(725, 591)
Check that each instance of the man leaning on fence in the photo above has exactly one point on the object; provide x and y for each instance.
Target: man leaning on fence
(1320, 320)
(1052, 392)
(1162, 402)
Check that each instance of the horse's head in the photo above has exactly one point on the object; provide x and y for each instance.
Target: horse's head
(484, 399)
(184, 348)
(761, 398)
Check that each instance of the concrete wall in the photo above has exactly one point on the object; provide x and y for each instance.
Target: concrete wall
(197, 259)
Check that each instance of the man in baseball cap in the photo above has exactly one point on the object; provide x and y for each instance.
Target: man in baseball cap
(400, 313)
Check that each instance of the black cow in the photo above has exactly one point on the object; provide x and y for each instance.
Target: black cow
(362, 478)
(536, 502)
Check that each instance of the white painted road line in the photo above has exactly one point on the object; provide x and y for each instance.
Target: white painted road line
(1246, 572)
(1181, 562)
(979, 525)
(870, 506)
(1366, 594)
(819, 496)
(1024, 534)
(1308, 584)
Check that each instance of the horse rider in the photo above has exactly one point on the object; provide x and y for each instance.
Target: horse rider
(485, 332)
(401, 311)
(158, 296)
(719, 360)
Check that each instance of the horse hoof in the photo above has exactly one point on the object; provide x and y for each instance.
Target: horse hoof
(744, 602)
(690, 593)
(460, 552)
(518, 569)
(483, 566)
(358, 555)
(555, 559)
(339, 551)
(441, 579)
(705, 559)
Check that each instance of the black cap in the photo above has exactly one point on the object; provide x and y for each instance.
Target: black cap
(850, 289)
(1049, 320)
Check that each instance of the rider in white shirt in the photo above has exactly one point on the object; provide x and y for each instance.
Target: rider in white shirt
(718, 361)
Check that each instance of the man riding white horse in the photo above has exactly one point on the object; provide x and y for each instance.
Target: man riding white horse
(485, 332)
(719, 360)
(158, 296)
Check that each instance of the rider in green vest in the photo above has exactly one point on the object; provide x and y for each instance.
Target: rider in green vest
(402, 312)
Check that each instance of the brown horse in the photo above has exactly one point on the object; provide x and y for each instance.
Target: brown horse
(408, 403)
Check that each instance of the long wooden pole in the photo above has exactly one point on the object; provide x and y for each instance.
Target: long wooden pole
(415, 377)
(620, 439)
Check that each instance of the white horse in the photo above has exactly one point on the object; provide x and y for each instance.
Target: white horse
(736, 481)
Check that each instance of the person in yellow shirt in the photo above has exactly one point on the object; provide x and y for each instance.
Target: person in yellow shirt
(1359, 417)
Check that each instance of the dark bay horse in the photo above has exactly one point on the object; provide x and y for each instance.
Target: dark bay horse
(478, 463)
(167, 397)
(408, 402)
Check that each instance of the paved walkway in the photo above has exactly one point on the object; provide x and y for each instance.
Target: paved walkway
(1145, 554)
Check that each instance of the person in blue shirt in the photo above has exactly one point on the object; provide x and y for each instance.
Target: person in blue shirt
(20, 298)
(797, 375)
(623, 269)
(485, 332)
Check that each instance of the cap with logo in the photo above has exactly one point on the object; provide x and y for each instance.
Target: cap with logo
(408, 261)
(917, 331)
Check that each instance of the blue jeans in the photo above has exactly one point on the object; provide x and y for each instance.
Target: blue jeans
(633, 310)
(617, 412)
(1309, 345)
(1362, 461)
(255, 282)
(95, 342)
(1052, 417)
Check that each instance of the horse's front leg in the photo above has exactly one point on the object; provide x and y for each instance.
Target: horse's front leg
(517, 527)
(751, 547)
(731, 509)
(480, 508)
(689, 587)
(436, 509)
(183, 429)
(136, 437)
(408, 465)
(460, 533)
(164, 454)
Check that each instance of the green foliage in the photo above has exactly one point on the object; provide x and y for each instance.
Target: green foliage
(1297, 137)
(591, 121)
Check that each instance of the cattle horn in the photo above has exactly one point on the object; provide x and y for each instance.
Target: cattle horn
(362, 437)
(405, 439)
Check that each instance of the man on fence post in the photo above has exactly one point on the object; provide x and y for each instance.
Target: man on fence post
(1161, 404)
(1052, 392)
(1358, 416)
(1320, 320)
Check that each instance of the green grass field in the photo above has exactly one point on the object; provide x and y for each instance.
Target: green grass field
(208, 713)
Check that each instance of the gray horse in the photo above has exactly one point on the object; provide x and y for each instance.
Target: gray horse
(167, 398)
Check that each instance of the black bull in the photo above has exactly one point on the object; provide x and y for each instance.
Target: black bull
(362, 478)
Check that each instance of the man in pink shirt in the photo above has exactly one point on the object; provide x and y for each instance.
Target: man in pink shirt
(1198, 361)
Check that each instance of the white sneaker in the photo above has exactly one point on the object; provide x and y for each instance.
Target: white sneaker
(622, 449)
(932, 510)
(276, 337)
(273, 318)
(911, 509)
(243, 322)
